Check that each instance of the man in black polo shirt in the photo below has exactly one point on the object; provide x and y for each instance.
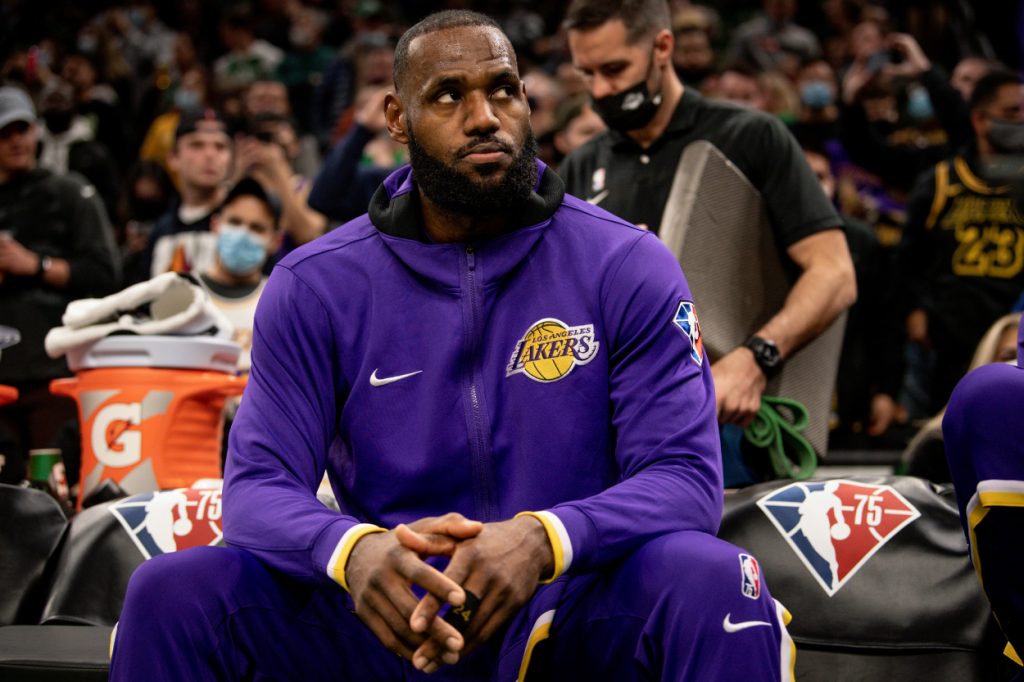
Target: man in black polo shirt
(624, 50)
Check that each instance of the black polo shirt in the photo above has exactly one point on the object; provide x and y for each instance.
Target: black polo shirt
(618, 175)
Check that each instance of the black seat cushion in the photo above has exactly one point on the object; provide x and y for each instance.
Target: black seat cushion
(38, 653)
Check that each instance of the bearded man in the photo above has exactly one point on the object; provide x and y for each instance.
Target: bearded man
(508, 392)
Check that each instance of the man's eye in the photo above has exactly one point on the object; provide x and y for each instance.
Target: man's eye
(505, 92)
(447, 97)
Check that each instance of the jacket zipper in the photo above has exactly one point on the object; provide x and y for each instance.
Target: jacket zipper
(479, 440)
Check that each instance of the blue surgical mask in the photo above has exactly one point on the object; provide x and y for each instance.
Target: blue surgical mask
(816, 95)
(240, 251)
(919, 105)
(186, 100)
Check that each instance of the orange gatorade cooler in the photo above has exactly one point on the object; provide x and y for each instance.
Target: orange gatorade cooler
(151, 409)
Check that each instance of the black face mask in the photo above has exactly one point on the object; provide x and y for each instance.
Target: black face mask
(631, 109)
(694, 77)
(58, 122)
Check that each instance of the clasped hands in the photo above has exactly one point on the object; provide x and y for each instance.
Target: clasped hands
(501, 563)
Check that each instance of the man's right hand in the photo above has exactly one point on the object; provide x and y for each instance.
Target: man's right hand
(739, 385)
(380, 572)
(914, 63)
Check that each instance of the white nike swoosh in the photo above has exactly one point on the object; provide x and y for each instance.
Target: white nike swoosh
(597, 198)
(729, 626)
(374, 381)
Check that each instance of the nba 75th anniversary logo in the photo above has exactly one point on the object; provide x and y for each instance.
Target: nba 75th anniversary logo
(836, 526)
(550, 349)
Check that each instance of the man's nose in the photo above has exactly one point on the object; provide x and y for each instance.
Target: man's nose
(480, 116)
(601, 87)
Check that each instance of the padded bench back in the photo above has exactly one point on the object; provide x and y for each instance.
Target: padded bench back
(32, 527)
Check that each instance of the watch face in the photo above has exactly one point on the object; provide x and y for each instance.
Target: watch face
(769, 354)
(766, 353)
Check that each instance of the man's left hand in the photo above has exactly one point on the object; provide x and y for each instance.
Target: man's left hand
(502, 566)
(739, 385)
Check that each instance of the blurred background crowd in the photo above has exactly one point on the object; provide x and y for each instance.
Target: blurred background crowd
(880, 94)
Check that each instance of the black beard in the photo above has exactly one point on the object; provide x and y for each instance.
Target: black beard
(456, 192)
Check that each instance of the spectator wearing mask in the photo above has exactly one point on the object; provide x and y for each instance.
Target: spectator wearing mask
(936, 93)
(818, 91)
(963, 247)
(201, 156)
(56, 245)
(67, 143)
(879, 136)
(693, 57)
(247, 229)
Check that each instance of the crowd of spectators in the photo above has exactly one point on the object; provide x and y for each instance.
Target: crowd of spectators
(163, 107)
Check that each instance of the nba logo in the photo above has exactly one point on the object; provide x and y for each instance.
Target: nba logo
(171, 520)
(686, 320)
(835, 527)
(751, 573)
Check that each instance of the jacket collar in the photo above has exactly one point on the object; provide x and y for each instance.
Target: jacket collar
(395, 212)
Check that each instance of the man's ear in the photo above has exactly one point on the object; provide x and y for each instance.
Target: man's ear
(394, 114)
(664, 45)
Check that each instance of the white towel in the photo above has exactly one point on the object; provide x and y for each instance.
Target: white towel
(169, 304)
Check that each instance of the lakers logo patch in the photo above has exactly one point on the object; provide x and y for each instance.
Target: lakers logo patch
(550, 349)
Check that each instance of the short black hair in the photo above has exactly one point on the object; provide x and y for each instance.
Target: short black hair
(438, 21)
(249, 186)
(642, 18)
(987, 87)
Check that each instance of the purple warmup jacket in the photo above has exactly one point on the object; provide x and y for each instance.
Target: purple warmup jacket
(556, 370)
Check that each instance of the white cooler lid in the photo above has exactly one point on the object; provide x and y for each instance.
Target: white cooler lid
(173, 352)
